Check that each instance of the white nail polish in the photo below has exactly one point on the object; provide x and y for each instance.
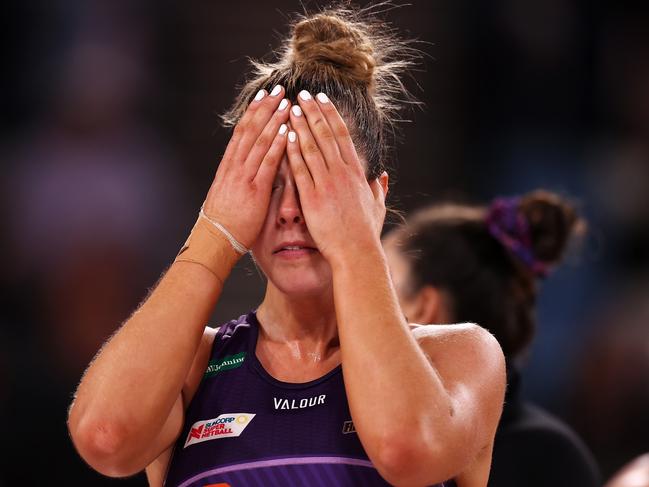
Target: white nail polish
(305, 95)
(322, 98)
(260, 94)
(297, 111)
(292, 136)
(276, 90)
(282, 129)
(282, 105)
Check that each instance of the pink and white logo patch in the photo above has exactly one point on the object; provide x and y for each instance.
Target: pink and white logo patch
(225, 426)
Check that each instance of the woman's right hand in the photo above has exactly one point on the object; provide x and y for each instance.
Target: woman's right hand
(240, 193)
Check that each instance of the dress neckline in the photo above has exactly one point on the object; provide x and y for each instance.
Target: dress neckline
(259, 368)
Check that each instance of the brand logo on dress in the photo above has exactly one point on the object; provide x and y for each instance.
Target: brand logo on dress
(225, 426)
(306, 402)
(226, 363)
(348, 427)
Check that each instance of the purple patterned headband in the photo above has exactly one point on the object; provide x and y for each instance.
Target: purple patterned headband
(510, 227)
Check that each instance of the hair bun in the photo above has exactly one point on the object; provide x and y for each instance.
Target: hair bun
(552, 222)
(329, 38)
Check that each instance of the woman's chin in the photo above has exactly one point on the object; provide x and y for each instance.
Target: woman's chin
(302, 284)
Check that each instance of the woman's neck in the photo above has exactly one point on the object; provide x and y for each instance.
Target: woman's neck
(306, 325)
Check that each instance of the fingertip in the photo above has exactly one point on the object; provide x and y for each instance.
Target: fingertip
(322, 98)
(260, 95)
(304, 95)
(292, 136)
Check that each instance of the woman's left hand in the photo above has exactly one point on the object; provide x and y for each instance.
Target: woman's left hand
(343, 211)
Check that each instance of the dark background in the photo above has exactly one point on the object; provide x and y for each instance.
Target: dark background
(110, 138)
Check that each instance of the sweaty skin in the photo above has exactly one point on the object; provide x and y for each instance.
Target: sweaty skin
(425, 403)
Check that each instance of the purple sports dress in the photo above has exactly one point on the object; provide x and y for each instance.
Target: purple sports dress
(245, 428)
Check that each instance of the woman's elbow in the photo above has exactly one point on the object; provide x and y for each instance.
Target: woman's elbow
(408, 461)
(102, 446)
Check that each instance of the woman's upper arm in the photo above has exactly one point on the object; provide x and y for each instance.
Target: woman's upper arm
(174, 423)
(471, 366)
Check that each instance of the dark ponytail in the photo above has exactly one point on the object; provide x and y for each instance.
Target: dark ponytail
(487, 259)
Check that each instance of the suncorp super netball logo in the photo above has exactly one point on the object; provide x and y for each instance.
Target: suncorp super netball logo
(225, 426)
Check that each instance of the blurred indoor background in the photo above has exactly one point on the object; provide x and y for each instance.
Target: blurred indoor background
(110, 138)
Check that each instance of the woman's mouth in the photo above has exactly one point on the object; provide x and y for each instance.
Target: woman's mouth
(292, 251)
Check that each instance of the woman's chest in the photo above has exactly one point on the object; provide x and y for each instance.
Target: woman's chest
(242, 420)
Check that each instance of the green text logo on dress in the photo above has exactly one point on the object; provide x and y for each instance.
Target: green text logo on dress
(226, 363)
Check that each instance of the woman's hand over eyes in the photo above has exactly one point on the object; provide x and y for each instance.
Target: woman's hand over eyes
(240, 193)
(343, 211)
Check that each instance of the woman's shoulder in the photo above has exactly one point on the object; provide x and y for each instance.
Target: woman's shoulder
(464, 349)
(235, 326)
(213, 340)
(460, 332)
(467, 353)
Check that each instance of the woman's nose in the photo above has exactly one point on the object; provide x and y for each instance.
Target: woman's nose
(290, 211)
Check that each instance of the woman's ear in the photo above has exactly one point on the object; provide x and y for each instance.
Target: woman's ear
(428, 307)
(383, 181)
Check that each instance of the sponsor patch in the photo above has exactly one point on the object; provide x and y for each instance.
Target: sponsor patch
(227, 425)
(348, 427)
(226, 363)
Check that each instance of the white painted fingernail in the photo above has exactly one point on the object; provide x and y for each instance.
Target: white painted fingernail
(292, 136)
(282, 129)
(276, 90)
(297, 111)
(260, 94)
(322, 98)
(305, 95)
(282, 105)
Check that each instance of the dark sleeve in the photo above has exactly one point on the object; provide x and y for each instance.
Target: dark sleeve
(542, 454)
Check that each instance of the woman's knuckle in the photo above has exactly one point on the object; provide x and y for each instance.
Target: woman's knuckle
(341, 131)
(324, 132)
(270, 158)
(240, 129)
(311, 148)
(263, 141)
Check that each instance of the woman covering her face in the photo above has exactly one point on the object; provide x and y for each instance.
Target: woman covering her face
(325, 383)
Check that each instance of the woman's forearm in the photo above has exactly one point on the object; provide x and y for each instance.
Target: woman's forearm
(397, 399)
(130, 388)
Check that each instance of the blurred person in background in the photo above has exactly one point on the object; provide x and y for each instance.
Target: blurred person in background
(457, 263)
(324, 382)
(610, 398)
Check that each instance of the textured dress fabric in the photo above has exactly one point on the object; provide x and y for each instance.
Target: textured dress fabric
(245, 428)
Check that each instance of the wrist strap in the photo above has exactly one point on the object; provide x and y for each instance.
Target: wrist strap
(238, 247)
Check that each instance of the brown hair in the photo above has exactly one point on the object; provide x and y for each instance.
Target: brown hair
(354, 58)
(451, 248)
